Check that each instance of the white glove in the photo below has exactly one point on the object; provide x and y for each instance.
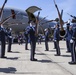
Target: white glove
(55, 40)
(71, 41)
(10, 36)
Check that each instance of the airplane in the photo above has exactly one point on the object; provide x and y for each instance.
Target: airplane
(20, 22)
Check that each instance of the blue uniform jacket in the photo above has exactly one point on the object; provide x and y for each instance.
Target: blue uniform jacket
(74, 34)
(9, 34)
(68, 34)
(26, 34)
(3, 33)
(31, 32)
(46, 35)
(56, 34)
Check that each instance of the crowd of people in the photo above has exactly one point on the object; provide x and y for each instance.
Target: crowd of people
(69, 36)
(3, 34)
(31, 33)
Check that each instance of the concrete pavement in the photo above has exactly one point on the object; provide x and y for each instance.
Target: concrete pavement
(18, 61)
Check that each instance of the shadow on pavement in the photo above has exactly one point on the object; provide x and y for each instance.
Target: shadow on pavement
(12, 58)
(8, 70)
(45, 61)
(31, 73)
(66, 55)
(15, 52)
(48, 61)
(40, 54)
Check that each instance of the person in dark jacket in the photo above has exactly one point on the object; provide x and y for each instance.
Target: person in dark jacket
(3, 33)
(68, 37)
(56, 39)
(9, 32)
(31, 32)
(46, 39)
(73, 45)
(26, 38)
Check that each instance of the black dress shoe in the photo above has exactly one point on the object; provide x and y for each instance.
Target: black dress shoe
(68, 51)
(46, 50)
(57, 54)
(3, 57)
(26, 49)
(9, 51)
(33, 59)
(72, 62)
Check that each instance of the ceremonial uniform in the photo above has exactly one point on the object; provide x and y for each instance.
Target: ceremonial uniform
(73, 46)
(56, 39)
(9, 40)
(54, 45)
(26, 39)
(3, 33)
(46, 39)
(68, 37)
(31, 32)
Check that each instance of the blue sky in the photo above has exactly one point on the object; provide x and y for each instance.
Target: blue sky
(47, 6)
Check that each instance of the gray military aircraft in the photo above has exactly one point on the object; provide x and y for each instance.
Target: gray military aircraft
(20, 21)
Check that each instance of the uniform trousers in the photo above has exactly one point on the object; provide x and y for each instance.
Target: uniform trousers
(33, 46)
(57, 47)
(2, 48)
(68, 45)
(73, 51)
(46, 45)
(9, 44)
(26, 44)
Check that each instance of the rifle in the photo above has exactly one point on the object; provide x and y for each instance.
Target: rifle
(43, 19)
(7, 18)
(60, 16)
(47, 22)
(72, 16)
(1, 10)
(37, 23)
(42, 29)
(61, 13)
